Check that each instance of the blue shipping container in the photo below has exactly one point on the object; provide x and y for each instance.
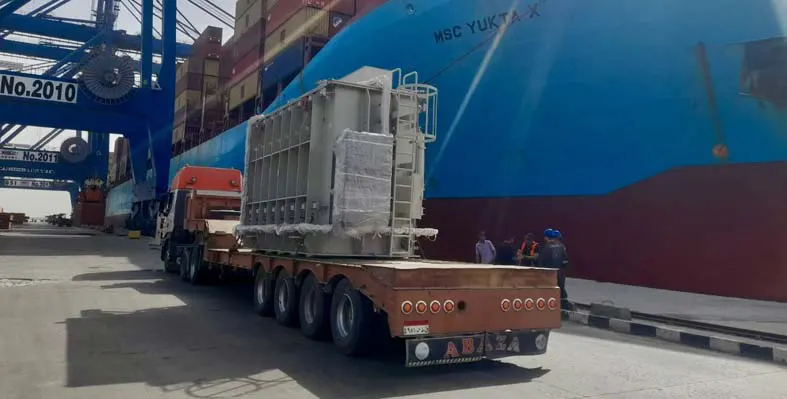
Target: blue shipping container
(286, 63)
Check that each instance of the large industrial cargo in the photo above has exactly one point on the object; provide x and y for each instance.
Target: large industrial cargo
(339, 171)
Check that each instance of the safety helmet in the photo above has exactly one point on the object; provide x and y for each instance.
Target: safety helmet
(549, 233)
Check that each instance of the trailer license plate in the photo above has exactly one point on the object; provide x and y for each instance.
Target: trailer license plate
(422, 329)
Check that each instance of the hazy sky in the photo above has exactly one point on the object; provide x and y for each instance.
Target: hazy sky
(48, 202)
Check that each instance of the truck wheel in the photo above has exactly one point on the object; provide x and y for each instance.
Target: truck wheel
(195, 269)
(285, 300)
(166, 256)
(315, 309)
(263, 294)
(351, 319)
(183, 260)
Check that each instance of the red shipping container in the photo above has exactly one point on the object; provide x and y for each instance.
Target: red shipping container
(192, 81)
(284, 9)
(89, 214)
(208, 42)
(226, 59)
(250, 40)
(211, 34)
(251, 62)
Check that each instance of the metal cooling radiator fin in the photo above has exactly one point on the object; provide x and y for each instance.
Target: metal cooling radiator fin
(107, 78)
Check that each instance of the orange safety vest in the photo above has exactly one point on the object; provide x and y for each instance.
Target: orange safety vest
(529, 251)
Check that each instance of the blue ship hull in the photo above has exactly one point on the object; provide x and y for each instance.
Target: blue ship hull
(604, 118)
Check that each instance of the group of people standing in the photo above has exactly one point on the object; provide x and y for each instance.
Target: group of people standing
(551, 254)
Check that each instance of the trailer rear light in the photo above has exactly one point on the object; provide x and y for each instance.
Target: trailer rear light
(517, 304)
(541, 303)
(552, 303)
(407, 307)
(529, 304)
(505, 305)
(434, 307)
(420, 307)
(449, 306)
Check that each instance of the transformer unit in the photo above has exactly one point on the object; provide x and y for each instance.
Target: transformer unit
(340, 170)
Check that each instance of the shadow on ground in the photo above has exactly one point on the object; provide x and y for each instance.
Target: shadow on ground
(65, 241)
(214, 346)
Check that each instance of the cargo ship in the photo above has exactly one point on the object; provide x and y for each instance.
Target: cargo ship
(652, 134)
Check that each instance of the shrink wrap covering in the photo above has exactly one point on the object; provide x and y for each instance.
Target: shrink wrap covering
(363, 181)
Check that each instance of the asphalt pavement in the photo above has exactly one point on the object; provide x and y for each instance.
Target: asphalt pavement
(85, 316)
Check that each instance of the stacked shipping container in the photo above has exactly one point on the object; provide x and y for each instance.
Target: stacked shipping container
(90, 207)
(267, 29)
(5, 221)
(198, 97)
(296, 31)
(122, 170)
(273, 41)
(112, 167)
(248, 51)
(19, 218)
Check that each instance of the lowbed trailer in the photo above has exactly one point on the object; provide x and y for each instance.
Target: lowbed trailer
(325, 224)
(447, 312)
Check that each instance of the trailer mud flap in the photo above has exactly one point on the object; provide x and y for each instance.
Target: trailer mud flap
(472, 348)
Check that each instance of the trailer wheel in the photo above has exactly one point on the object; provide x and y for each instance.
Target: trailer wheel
(263, 294)
(351, 319)
(315, 309)
(285, 303)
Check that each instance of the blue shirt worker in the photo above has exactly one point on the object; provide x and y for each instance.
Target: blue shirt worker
(485, 251)
(553, 255)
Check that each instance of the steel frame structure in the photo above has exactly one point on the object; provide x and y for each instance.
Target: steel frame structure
(145, 117)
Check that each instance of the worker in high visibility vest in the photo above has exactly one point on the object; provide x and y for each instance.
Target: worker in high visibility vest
(554, 256)
(528, 251)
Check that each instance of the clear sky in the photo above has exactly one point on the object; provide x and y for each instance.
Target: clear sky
(47, 202)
